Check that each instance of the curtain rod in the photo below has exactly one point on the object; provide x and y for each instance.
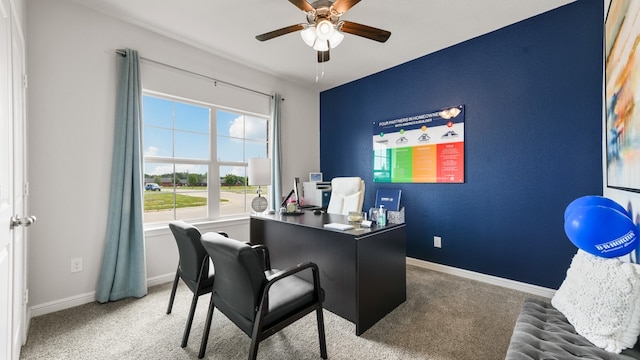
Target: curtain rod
(123, 53)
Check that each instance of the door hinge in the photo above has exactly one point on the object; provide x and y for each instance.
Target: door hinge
(26, 189)
(25, 81)
(25, 296)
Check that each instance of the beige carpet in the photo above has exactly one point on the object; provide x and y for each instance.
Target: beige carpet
(444, 318)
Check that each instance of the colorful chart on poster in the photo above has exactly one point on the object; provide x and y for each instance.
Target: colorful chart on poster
(420, 148)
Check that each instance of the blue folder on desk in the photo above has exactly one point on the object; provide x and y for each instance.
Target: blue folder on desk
(390, 199)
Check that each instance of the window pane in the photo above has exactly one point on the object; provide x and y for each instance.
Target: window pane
(191, 191)
(230, 149)
(158, 201)
(255, 149)
(191, 145)
(233, 191)
(191, 117)
(159, 173)
(157, 112)
(157, 142)
(191, 200)
(181, 194)
(230, 124)
(255, 128)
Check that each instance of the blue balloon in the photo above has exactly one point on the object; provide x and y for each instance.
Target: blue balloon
(601, 231)
(594, 200)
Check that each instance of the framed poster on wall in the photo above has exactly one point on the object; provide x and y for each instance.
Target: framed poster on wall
(421, 148)
(622, 76)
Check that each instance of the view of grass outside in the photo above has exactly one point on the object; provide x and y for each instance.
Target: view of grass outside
(158, 200)
(164, 201)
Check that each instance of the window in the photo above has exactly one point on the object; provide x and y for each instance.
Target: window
(195, 158)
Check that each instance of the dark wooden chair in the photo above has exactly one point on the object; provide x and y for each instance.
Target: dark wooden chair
(193, 268)
(259, 300)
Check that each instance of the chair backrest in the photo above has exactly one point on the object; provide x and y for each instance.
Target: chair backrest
(192, 253)
(239, 273)
(347, 194)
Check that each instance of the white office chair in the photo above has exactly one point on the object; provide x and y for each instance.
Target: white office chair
(347, 194)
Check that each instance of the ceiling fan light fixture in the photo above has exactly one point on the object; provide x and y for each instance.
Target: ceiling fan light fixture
(321, 45)
(309, 35)
(336, 39)
(324, 29)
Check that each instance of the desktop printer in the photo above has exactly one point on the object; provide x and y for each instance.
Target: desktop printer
(317, 193)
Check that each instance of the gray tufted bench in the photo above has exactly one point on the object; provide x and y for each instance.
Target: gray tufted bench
(542, 332)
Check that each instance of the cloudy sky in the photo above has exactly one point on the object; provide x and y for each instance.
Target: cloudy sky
(181, 130)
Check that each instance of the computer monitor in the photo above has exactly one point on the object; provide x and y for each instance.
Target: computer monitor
(295, 191)
(296, 185)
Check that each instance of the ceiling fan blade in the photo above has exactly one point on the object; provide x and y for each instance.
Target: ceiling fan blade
(302, 5)
(323, 56)
(279, 32)
(341, 6)
(365, 31)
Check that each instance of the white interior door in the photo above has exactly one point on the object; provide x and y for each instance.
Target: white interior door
(13, 220)
(6, 185)
(19, 322)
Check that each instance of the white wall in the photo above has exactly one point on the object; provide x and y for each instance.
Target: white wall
(71, 99)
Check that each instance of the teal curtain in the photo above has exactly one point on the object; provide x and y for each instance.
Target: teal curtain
(274, 152)
(123, 272)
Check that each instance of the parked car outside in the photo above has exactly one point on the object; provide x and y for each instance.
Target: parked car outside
(152, 187)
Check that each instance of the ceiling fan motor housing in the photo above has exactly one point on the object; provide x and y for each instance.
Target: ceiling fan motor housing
(323, 16)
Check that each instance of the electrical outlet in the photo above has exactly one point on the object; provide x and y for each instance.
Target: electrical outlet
(437, 241)
(76, 265)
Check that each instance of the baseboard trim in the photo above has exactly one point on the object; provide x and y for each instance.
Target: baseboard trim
(160, 279)
(494, 280)
(81, 299)
(62, 304)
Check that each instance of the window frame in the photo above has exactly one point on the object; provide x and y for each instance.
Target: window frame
(213, 164)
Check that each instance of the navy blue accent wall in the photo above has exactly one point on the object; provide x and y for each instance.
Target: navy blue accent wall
(532, 93)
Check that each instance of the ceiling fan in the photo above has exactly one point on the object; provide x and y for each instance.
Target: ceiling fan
(324, 27)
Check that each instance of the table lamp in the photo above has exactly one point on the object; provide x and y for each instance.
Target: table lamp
(259, 172)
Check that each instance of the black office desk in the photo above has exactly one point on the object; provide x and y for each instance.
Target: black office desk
(363, 272)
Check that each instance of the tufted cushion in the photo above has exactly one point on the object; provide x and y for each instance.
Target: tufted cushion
(542, 332)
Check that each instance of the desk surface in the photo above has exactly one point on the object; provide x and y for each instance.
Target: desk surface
(309, 219)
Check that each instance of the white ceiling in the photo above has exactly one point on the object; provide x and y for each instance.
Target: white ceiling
(228, 29)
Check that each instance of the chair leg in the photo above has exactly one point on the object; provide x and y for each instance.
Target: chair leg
(253, 350)
(173, 292)
(207, 327)
(187, 328)
(255, 336)
(321, 338)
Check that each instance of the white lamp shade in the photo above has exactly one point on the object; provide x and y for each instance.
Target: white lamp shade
(336, 38)
(259, 171)
(309, 35)
(321, 45)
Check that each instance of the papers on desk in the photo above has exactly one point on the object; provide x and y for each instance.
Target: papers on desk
(338, 226)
